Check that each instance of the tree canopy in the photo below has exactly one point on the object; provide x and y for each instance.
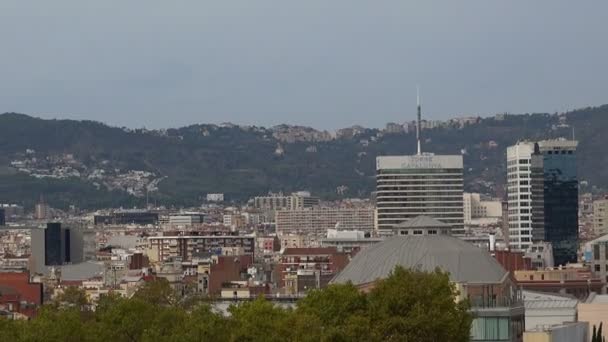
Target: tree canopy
(406, 306)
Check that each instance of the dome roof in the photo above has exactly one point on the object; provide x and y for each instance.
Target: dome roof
(465, 262)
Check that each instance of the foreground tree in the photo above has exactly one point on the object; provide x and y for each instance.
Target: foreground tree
(418, 306)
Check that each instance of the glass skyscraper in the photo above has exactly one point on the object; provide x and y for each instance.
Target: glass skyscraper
(558, 197)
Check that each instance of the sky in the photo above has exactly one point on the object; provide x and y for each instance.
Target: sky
(320, 63)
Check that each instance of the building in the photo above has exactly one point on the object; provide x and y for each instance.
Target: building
(594, 310)
(301, 269)
(596, 255)
(19, 295)
(576, 280)
(2, 217)
(519, 193)
(215, 197)
(349, 242)
(566, 332)
(548, 309)
(559, 198)
(122, 217)
(56, 245)
(297, 200)
(425, 184)
(600, 216)
(167, 247)
(186, 219)
(475, 207)
(540, 255)
(316, 221)
(496, 302)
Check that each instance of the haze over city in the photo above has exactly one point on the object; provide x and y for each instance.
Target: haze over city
(327, 64)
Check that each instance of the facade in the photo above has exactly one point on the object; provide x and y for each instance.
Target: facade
(137, 217)
(548, 309)
(186, 247)
(2, 217)
(426, 184)
(317, 221)
(301, 269)
(594, 310)
(496, 302)
(56, 245)
(600, 216)
(185, 219)
(349, 242)
(297, 200)
(576, 281)
(596, 255)
(519, 192)
(559, 198)
(475, 207)
(566, 332)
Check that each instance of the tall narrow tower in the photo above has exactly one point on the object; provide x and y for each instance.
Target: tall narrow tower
(418, 128)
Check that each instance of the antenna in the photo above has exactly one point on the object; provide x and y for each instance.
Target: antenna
(419, 120)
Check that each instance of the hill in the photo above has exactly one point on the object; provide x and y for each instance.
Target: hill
(89, 164)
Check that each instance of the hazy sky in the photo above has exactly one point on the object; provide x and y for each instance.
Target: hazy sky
(324, 63)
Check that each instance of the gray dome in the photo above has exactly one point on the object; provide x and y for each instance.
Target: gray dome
(465, 262)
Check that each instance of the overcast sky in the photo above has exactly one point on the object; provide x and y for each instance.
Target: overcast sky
(323, 63)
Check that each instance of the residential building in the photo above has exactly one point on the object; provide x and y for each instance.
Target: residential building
(575, 280)
(540, 254)
(565, 332)
(191, 244)
(596, 255)
(349, 242)
(548, 309)
(301, 269)
(297, 200)
(18, 294)
(316, 221)
(496, 302)
(519, 192)
(559, 198)
(185, 220)
(424, 184)
(475, 207)
(600, 216)
(594, 310)
(123, 217)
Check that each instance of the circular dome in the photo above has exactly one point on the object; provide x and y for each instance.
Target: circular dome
(465, 262)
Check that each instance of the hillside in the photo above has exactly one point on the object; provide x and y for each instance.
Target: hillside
(90, 164)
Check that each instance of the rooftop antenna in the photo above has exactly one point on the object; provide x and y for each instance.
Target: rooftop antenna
(419, 120)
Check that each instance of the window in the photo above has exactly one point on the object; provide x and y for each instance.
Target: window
(432, 232)
(597, 268)
(490, 328)
(596, 252)
(417, 232)
(403, 232)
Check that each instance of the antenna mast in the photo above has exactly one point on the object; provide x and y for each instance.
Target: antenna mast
(418, 128)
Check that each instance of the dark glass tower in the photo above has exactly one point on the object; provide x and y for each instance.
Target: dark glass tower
(52, 244)
(557, 222)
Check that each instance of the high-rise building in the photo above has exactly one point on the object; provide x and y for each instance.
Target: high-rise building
(56, 245)
(2, 217)
(519, 192)
(559, 197)
(425, 184)
(600, 216)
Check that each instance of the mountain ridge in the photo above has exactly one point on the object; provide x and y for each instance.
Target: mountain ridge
(91, 164)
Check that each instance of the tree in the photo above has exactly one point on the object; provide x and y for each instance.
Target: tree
(157, 292)
(597, 335)
(418, 306)
(73, 296)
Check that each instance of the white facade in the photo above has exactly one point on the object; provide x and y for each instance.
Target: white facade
(410, 186)
(317, 221)
(519, 183)
(600, 216)
(475, 207)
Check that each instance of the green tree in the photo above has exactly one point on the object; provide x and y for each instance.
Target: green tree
(157, 292)
(418, 306)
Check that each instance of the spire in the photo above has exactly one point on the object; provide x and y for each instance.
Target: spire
(419, 120)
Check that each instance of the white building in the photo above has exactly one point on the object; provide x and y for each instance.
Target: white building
(215, 197)
(600, 216)
(519, 181)
(475, 207)
(426, 184)
(317, 221)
